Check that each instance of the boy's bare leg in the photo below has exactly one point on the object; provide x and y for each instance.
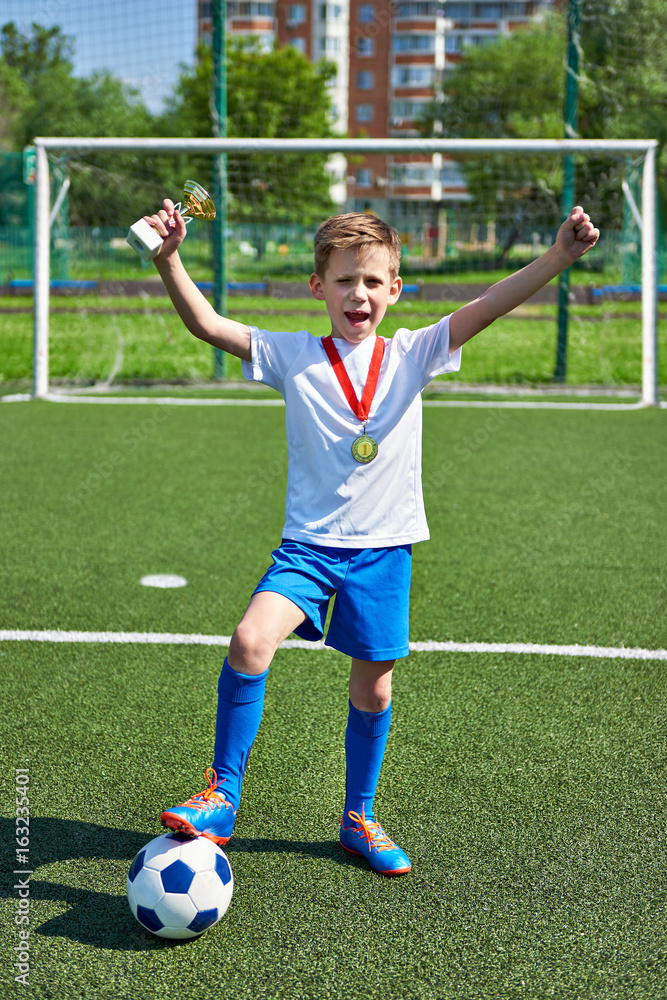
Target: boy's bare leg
(370, 684)
(267, 621)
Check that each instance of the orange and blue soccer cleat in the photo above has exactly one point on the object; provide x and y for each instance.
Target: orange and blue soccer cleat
(368, 839)
(206, 814)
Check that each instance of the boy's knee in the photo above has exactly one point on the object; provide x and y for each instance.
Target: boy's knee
(366, 699)
(249, 650)
(370, 685)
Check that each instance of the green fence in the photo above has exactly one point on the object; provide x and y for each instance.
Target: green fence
(461, 241)
(255, 252)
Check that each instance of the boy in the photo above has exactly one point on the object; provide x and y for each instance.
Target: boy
(354, 502)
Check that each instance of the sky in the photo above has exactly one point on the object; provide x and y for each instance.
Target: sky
(143, 42)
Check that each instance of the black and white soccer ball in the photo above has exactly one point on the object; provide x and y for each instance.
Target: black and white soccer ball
(178, 887)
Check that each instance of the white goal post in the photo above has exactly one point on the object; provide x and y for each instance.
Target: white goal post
(350, 147)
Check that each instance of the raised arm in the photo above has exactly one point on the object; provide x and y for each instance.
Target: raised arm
(195, 310)
(575, 237)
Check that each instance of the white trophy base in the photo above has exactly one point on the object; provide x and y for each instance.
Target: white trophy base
(144, 239)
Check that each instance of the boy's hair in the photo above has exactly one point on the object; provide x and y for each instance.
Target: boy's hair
(357, 231)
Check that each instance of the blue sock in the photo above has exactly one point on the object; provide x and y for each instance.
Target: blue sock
(365, 741)
(240, 706)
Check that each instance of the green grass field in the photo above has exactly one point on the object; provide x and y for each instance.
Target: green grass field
(528, 789)
(135, 340)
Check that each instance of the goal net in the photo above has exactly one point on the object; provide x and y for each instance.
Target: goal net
(468, 212)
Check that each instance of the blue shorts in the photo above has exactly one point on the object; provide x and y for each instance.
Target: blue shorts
(370, 617)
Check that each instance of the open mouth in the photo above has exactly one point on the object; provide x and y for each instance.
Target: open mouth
(356, 317)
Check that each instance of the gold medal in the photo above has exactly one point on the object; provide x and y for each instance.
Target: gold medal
(364, 449)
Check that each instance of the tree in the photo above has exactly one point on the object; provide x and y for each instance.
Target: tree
(625, 59)
(14, 101)
(277, 94)
(512, 88)
(515, 88)
(36, 54)
(41, 60)
(107, 190)
(43, 97)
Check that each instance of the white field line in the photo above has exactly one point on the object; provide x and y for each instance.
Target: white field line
(53, 397)
(515, 404)
(194, 639)
(118, 360)
(61, 397)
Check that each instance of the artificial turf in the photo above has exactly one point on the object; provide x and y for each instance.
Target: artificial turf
(528, 790)
(151, 344)
(526, 509)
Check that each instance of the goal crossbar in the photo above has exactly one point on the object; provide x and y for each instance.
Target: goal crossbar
(557, 147)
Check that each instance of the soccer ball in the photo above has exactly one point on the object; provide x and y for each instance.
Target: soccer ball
(178, 887)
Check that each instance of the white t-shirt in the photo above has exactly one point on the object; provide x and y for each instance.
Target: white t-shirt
(331, 498)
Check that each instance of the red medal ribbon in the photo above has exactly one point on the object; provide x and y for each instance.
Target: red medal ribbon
(360, 409)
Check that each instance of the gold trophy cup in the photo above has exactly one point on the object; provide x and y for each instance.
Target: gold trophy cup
(196, 204)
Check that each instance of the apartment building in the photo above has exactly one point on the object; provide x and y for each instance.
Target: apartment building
(391, 58)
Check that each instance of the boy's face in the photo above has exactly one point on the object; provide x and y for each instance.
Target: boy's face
(357, 288)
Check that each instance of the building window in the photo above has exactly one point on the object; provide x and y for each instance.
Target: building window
(365, 79)
(365, 112)
(421, 9)
(329, 46)
(409, 110)
(252, 9)
(329, 12)
(413, 42)
(367, 13)
(364, 177)
(296, 14)
(411, 174)
(365, 46)
(413, 76)
(459, 11)
(299, 44)
(457, 43)
(488, 11)
(451, 175)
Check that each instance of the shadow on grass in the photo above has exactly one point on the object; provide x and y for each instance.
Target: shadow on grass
(99, 918)
(329, 849)
(94, 916)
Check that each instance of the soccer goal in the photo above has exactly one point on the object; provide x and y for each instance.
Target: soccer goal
(467, 211)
